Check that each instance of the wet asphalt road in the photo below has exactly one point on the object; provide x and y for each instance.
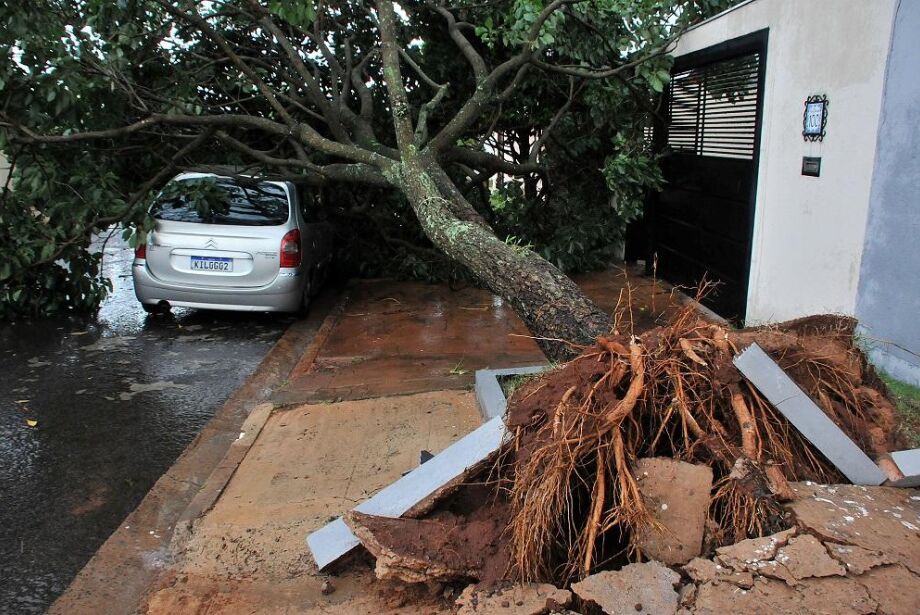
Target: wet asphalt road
(115, 400)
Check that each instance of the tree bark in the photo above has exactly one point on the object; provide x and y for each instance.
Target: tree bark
(552, 306)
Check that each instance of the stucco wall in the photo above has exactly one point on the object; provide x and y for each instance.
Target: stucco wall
(4, 170)
(888, 305)
(809, 232)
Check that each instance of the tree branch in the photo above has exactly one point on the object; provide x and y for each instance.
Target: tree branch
(319, 174)
(486, 86)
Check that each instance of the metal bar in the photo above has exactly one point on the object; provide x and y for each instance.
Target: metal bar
(807, 417)
(334, 540)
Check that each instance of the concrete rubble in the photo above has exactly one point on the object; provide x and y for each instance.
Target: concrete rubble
(852, 550)
(826, 564)
(414, 551)
(518, 599)
(677, 493)
(881, 519)
(648, 588)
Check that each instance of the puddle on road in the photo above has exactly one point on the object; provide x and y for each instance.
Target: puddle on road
(136, 388)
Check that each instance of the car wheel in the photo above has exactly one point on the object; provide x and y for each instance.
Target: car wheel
(154, 308)
(317, 280)
(307, 294)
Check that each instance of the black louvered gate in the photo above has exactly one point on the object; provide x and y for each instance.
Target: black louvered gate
(700, 225)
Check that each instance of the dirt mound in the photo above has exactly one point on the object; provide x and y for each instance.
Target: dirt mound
(674, 392)
(642, 447)
(462, 540)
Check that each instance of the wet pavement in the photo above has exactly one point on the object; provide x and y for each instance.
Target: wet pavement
(92, 412)
(397, 338)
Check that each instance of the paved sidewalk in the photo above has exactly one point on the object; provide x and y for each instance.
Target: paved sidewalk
(387, 376)
(395, 338)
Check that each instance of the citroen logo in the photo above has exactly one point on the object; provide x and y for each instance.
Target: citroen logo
(210, 244)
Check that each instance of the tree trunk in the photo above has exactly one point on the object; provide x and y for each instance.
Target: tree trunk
(552, 306)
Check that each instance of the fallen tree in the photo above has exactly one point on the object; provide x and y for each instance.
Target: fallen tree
(643, 447)
(673, 392)
(350, 93)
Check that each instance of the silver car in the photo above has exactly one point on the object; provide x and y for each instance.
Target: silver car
(263, 250)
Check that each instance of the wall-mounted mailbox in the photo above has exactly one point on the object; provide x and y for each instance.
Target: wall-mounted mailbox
(811, 166)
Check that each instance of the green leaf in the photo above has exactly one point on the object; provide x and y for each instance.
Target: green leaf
(46, 251)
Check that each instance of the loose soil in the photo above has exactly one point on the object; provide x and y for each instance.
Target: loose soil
(566, 491)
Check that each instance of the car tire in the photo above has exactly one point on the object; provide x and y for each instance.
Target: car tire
(307, 295)
(153, 308)
(318, 279)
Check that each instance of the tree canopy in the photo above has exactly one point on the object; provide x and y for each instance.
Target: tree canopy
(436, 123)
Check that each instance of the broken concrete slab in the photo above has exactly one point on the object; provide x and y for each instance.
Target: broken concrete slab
(632, 590)
(415, 551)
(445, 469)
(826, 596)
(519, 599)
(908, 463)
(804, 557)
(807, 417)
(857, 560)
(678, 495)
(883, 519)
(753, 550)
(894, 588)
(489, 393)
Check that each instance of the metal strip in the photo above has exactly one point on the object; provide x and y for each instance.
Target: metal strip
(334, 540)
(807, 417)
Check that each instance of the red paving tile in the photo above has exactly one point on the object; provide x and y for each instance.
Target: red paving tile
(396, 338)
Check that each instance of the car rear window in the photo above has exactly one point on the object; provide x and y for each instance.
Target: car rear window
(261, 204)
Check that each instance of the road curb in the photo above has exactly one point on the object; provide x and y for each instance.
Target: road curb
(119, 574)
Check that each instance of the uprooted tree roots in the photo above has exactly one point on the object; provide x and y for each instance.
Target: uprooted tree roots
(673, 392)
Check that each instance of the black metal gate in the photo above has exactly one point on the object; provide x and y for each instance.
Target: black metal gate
(700, 225)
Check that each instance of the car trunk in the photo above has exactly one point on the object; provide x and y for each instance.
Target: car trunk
(214, 255)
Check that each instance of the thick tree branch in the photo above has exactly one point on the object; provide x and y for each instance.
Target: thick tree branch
(318, 174)
(399, 101)
(484, 160)
(466, 48)
(486, 86)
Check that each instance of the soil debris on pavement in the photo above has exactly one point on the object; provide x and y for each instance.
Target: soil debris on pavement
(462, 540)
(649, 476)
(516, 599)
(417, 551)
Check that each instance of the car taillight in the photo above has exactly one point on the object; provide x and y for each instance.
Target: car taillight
(290, 249)
(140, 251)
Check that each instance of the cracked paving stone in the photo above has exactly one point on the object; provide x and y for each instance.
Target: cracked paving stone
(882, 519)
(805, 557)
(635, 589)
(824, 596)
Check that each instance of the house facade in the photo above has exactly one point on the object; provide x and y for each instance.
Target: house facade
(791, 139)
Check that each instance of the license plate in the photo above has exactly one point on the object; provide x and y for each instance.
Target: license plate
(211, 263)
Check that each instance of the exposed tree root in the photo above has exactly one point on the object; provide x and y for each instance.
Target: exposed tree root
(674, 392)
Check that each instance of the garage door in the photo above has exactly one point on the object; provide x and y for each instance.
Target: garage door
(701, 223)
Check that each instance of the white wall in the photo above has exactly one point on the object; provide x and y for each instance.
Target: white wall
(4, 170)
(808, 232)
